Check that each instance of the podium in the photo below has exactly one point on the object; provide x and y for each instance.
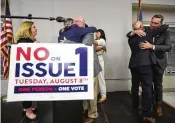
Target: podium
(60, 111)
(35, 79)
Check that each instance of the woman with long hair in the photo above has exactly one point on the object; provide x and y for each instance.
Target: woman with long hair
(100, 43)
(27, 34)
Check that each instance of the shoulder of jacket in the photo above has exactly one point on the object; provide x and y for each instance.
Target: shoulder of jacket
(167, 31)
(164, 34)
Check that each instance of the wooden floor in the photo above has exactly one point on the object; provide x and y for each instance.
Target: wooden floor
(117, 109)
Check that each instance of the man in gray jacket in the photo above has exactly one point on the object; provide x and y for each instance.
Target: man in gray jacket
(161, 45)
(89, 105)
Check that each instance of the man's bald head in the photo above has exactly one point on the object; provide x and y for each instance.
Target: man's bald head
(79, 21)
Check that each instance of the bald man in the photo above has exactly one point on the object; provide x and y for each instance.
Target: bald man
(90, 105)
(79, 21)
(140, 65)
(76, 31)
(80, 33)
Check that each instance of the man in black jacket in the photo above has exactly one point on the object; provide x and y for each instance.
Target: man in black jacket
(160, 45)
(140, 64)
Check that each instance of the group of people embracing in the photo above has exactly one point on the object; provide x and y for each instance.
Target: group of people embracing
(147, 65)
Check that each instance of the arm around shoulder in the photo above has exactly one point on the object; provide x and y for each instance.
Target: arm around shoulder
(129, 34)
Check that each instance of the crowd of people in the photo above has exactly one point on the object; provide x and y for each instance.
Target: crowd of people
(147, 63)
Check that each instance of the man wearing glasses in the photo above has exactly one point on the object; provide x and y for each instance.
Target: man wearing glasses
(79, 32)
(76, 31)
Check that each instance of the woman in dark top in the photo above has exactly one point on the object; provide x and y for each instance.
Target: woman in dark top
(26, 34)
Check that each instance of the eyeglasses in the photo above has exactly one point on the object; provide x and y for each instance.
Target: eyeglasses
(78, 21)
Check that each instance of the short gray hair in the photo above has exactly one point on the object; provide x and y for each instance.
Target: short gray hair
(137, 25)
(68, 22)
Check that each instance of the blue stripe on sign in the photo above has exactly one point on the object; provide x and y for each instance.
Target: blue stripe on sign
(50, 89)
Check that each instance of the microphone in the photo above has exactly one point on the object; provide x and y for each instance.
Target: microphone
(60, 19)
(29, 16)
(51, 18)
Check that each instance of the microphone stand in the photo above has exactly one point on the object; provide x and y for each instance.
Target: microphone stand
(27, 17)
(58, 19)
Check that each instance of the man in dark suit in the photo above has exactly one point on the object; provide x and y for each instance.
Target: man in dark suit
(160, 45)
(140, 64)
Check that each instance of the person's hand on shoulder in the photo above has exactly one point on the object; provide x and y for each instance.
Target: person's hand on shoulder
(140, 33)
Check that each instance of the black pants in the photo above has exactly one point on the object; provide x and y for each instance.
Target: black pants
(142, 74)
(27, 104)
(158, 87)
